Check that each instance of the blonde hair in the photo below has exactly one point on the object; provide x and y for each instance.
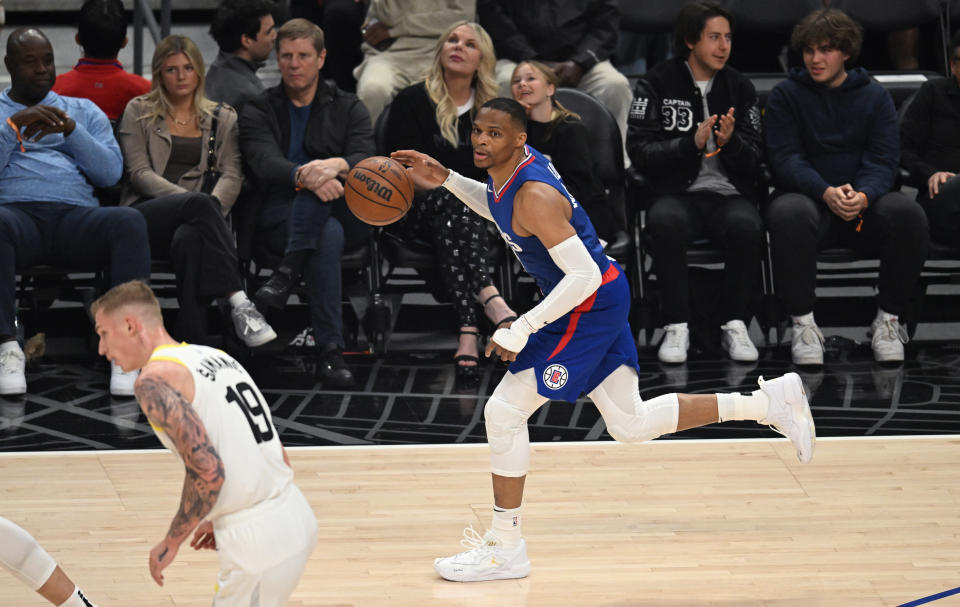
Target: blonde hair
(158, 103)
(484, 81)
(132, 293)
(559, 113)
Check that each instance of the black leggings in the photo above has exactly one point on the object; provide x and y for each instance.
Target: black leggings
(461, 243)
(189, 230)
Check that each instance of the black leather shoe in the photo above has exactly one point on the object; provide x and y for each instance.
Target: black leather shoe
(274, 293)
(332, 369)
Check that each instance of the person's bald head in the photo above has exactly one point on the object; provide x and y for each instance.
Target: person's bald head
(29, 61)
(25, 36)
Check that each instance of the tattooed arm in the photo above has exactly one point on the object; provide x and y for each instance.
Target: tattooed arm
(162, 390)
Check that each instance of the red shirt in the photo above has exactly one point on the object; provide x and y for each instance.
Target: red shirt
(104, 82)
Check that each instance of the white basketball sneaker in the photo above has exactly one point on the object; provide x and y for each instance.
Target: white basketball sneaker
(789, 413)
(485, 559)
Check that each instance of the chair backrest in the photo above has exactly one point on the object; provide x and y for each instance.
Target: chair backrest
(889, 15)
(607, 148)
(767, 16)
(649, 16)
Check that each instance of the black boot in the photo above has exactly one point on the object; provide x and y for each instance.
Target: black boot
(274, 293)
(332, 369)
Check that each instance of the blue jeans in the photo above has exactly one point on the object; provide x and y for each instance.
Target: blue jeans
(69, 236)
(303, 222)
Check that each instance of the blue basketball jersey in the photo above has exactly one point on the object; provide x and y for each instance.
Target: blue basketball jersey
(576, 352)
(529, 250)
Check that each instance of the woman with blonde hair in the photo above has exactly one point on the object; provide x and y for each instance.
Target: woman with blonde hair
(560, 134)
(175, 142)
(435, 117)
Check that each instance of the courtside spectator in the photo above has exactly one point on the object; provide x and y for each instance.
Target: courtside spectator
(245, 32)
(834, 148)
(98, 75)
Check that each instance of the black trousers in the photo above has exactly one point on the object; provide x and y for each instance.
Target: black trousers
(732, 223)
(71, 236)
(943, 211)
(189, 230)
(894, 229)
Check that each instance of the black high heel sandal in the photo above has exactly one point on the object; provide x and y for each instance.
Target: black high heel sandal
(502, 321)
(468, 376)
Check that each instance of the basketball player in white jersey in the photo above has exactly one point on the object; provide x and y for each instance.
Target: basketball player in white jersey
(238, 493)
(26, 559)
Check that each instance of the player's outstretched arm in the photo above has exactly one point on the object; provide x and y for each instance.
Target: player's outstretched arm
(539, 210)
(168, 410)
(428, 174)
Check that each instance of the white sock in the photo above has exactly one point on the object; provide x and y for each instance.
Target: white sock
(237, 298)
(804, 320)
(77, 600)
(737, 406)
(507, 526)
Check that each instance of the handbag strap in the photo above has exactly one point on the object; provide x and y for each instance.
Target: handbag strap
(211, 159)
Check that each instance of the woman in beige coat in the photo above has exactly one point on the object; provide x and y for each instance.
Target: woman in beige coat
(165, 136)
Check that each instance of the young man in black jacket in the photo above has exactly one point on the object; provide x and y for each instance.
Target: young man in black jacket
(694, 134)
(930, 148)
(833, 145)
(299, 139)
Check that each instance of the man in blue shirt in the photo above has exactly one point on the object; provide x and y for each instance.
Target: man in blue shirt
(53, 151)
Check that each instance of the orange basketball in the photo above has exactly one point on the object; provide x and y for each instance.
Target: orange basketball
(378, 190)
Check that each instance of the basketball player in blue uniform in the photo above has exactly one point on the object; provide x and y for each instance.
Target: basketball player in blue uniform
(577, 339)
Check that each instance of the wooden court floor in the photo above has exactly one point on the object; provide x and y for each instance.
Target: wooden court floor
(873, 522)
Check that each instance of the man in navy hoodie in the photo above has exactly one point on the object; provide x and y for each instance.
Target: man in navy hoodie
(834, 148)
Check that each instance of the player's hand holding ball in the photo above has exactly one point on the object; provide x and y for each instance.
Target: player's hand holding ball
(425, 172)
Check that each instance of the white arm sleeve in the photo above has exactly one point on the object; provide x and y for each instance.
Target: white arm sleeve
(472, 192)
(581, 278)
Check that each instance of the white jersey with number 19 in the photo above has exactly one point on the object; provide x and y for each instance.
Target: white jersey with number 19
(238, 422)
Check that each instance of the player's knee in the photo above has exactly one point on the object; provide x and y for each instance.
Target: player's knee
(633, 428)
(504, 424)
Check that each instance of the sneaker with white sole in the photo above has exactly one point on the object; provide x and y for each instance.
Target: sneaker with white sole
(250, 325)
(676, 342)
(13, 364)
(121, 383)
(789, 413)
(486, 559)
(887, 337)
(807, 347)
(736, 341)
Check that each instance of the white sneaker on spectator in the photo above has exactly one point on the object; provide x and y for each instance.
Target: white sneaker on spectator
(736, 340)
(485, 559)
(676, 342)
(887, 338)
(807, 347)
(121, 384)
(789, 413)
(13, 377)
(250, 325)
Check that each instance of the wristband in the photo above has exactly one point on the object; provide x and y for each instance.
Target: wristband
(866, 203)
(515, 337)
(16, 130)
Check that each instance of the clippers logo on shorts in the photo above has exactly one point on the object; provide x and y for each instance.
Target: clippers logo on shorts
(555, 377)
(677, 115)
(638, 109)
